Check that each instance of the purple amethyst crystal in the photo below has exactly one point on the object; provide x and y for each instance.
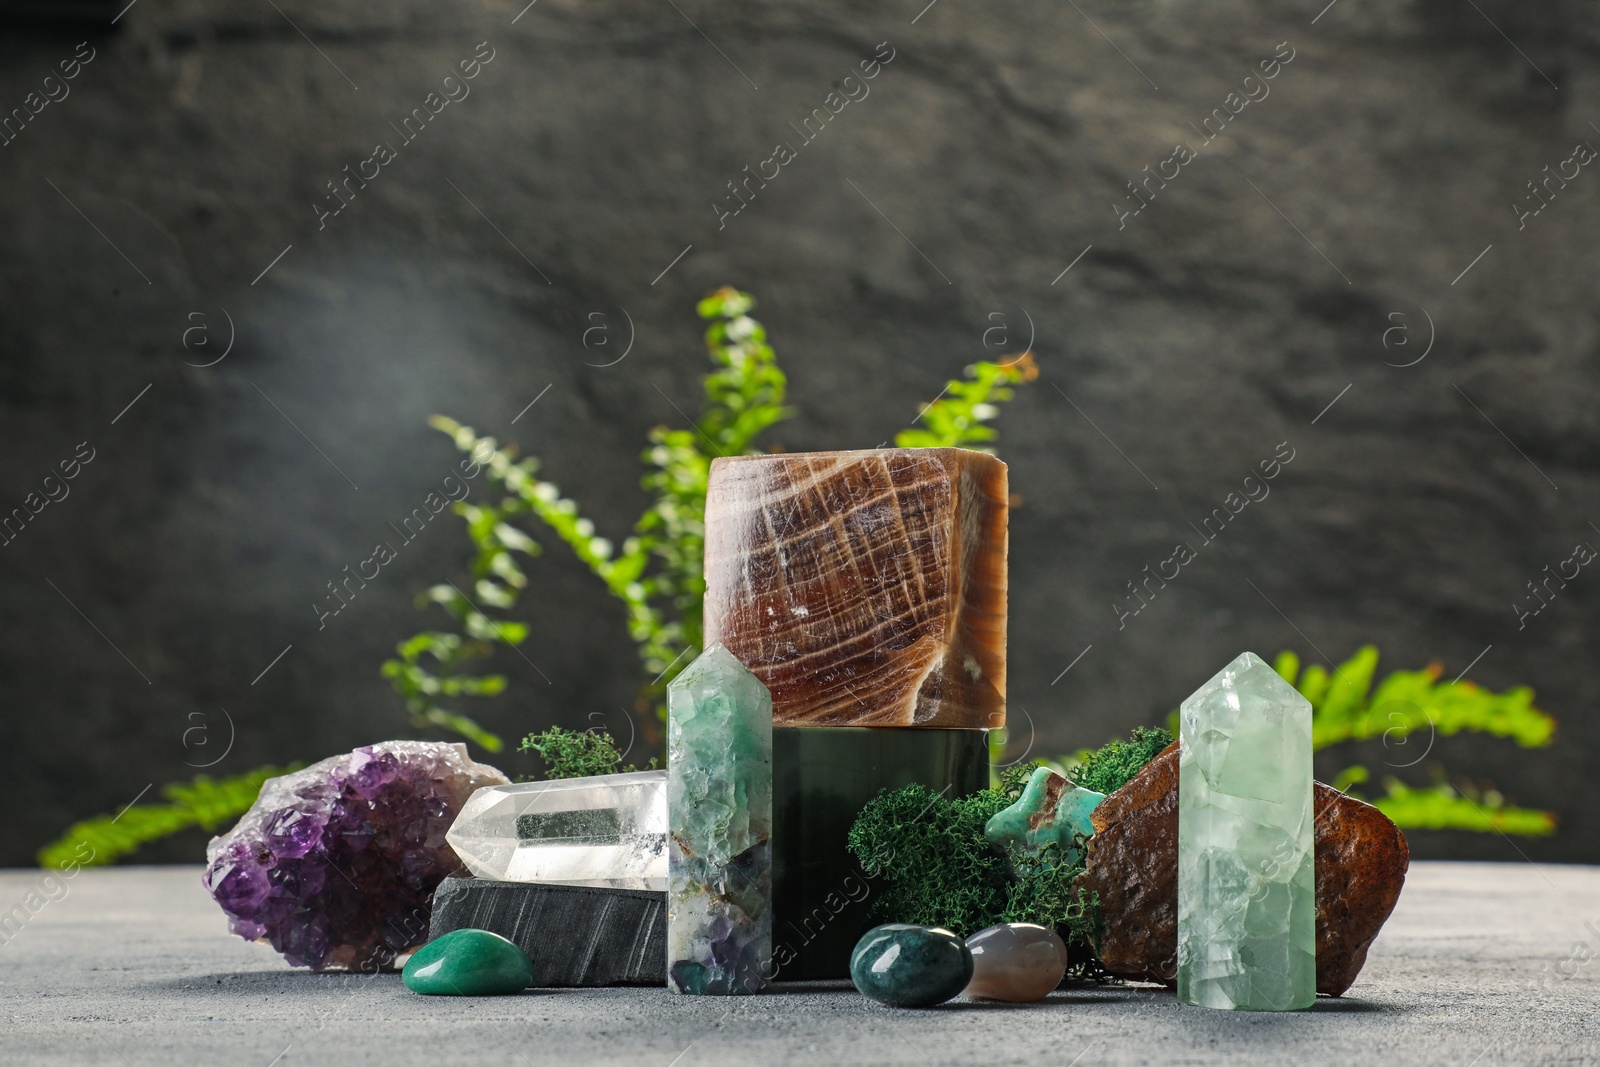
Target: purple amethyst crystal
(335, 865)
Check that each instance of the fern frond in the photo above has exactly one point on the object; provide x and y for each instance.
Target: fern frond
(956, 417)
(1346, 707)
(1442, 807)
(203, 801)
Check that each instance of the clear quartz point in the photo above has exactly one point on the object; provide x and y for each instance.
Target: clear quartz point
(608, 831)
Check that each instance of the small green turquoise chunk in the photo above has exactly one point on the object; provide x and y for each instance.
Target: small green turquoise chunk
(468, 963)
(907, 966)
(1050, 811)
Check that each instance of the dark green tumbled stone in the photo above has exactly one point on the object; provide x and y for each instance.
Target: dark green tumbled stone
(468, 963)
(907, 966)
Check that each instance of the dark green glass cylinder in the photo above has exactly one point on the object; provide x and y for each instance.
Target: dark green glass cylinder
(822, 777)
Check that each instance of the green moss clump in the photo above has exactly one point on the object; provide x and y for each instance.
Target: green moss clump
(1045, 893)
(937, 869)
(930, 852)
(575, 754)
(1114, 764)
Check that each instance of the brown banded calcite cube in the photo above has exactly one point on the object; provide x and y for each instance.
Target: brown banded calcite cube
(863, 588)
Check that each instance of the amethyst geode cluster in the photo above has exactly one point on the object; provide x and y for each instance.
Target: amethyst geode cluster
(335, 865)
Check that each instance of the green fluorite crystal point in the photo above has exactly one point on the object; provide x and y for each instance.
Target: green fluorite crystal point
(1246, 890)
(1050, 811)
(719, 813)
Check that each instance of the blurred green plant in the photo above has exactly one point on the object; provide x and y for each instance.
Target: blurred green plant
(656, 573)
(1405, 706)
(203, 801)
(421, 689)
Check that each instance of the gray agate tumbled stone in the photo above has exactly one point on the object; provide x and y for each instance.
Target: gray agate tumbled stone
(1018, 962)
(907, 966)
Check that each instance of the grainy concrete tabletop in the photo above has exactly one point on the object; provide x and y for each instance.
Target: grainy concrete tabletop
(1481, 965)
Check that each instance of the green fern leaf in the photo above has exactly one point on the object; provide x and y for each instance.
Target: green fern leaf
(1443, 808)
(203, 801)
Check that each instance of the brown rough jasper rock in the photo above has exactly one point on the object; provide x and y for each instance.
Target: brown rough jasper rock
(863, 588)
(1132, 862)
(1361, 860)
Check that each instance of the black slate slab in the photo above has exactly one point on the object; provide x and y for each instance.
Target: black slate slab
(575, 935)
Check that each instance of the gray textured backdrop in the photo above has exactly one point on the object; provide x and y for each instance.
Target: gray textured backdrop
(992, 152)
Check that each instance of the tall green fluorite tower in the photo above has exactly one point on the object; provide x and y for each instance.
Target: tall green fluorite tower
(1246, 886)
(719, 817)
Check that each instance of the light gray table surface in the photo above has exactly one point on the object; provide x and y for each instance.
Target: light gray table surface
(1481, 965)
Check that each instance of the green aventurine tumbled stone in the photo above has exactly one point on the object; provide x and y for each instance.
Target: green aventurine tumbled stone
(719, 818)
(1050, 811)
(907, 966)
(1246, 886)
(468, 963)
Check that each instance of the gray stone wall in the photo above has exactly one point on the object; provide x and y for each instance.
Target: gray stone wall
(1334, 266)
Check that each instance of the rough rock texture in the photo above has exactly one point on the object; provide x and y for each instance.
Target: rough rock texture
(335, 865)
(1194, 339)
(1133, 866)
(1361, 862)
(864, 588)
